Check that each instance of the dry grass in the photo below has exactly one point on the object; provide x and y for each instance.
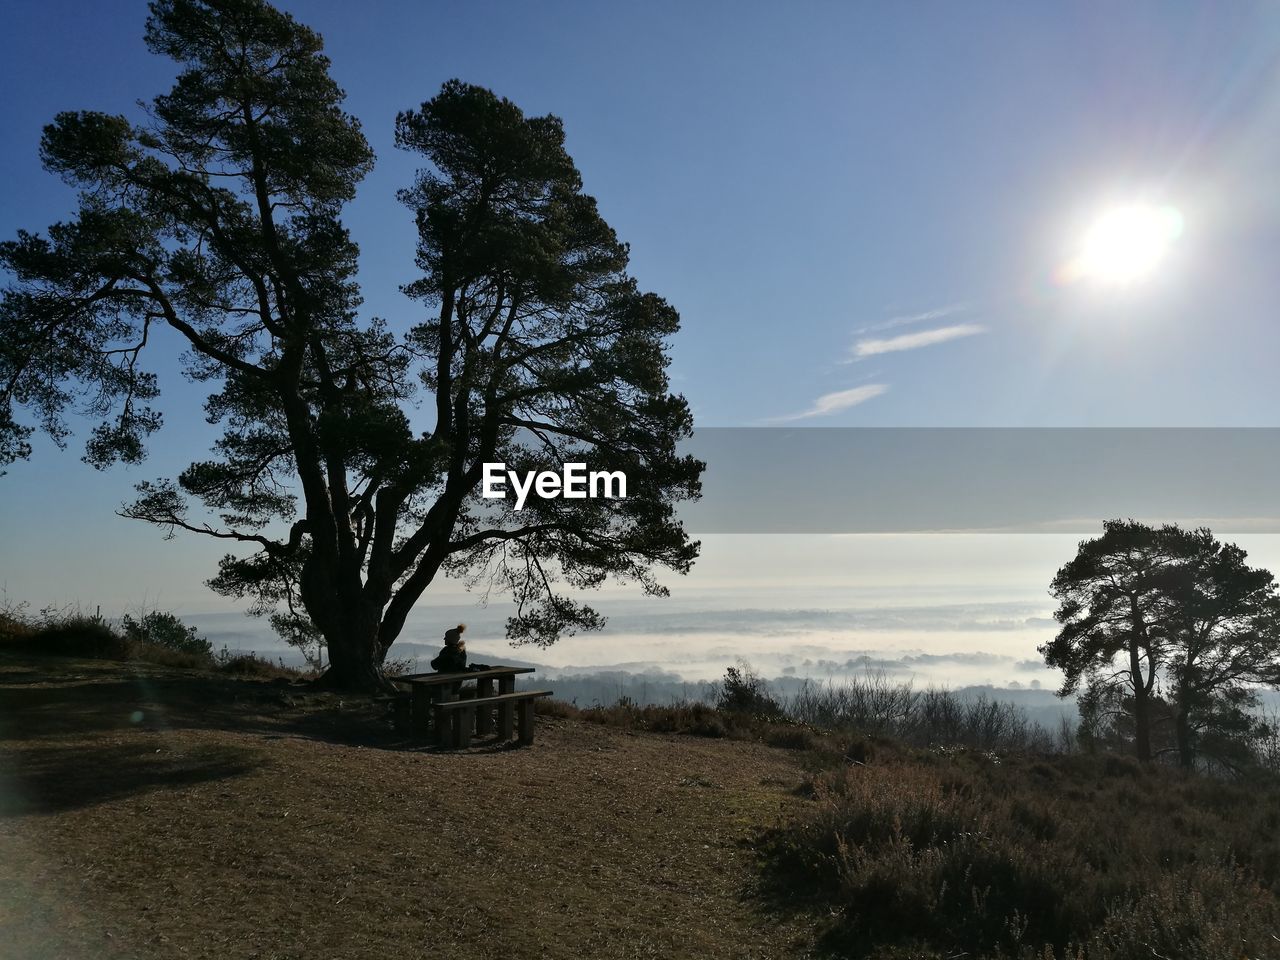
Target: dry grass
(146, 812)
(62, 633)
(960, 853)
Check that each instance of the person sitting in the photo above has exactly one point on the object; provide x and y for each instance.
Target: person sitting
(453, 658)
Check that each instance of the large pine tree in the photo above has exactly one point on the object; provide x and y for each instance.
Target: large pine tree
(349, 458)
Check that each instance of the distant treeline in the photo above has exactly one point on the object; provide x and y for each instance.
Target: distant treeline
(975, 717)
(605, 688)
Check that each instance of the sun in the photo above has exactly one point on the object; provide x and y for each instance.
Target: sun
(1125, 245)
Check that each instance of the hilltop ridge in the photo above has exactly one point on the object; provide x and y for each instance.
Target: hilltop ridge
(153, 812)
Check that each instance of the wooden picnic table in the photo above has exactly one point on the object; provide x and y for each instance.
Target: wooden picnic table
(427, 689)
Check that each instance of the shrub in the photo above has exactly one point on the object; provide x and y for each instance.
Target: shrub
(159, 638)
(166, 631)
(860, 751)
(790, 736)
(15, 624)
(394, 667)
(164, 657)
(551, 707)
(743, 692)
(252, 665)
(13, 630)
(1203, 913)
(877, 706)
(957, 853)
(80, 636)
(697, 719)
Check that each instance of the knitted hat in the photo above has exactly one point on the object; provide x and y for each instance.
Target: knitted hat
(454, 637)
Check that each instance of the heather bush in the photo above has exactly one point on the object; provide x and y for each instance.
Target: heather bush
(697, 719)
(254, 666)
(877, 706)
(77, 635)
(958, 852)
(15, 624)
(1201, 913)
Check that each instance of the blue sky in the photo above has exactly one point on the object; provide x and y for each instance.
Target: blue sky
(797, 179)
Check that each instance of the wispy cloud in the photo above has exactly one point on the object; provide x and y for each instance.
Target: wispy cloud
(907, 319)
(871, 347)
(830, 403)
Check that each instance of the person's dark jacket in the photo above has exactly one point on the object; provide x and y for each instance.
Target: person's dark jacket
(452, 659)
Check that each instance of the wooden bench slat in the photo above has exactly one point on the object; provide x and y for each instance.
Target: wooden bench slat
(459, 676)
(494, 700)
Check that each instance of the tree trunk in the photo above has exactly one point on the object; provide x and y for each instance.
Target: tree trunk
(1186, 751)
(1141, 703)
(349, 624)
(355, 662)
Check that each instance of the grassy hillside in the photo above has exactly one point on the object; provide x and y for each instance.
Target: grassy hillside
(959, 853)
(147, 811)
(150, 811)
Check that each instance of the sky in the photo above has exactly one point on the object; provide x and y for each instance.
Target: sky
(866, 214)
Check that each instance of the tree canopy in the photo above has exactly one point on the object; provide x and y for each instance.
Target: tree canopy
(1223, 641)
(351, 449)
(1143, 606)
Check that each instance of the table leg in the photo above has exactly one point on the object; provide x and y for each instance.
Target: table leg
(506, 720)
(484, 715)
(442, 721)
(466, 718)
(420, 709)
(526, 721)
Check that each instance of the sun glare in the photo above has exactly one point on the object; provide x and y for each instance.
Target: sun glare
(1125, 245)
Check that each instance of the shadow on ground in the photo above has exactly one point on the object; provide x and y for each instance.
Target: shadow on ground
(98, 697)
(50, 699)
(56, 778)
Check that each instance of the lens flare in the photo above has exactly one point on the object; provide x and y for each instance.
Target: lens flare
(1124, 245)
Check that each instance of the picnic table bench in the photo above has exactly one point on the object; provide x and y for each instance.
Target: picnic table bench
(432, 703)
(454, 719)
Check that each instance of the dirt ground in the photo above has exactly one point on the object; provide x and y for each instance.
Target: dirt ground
(148, 812)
